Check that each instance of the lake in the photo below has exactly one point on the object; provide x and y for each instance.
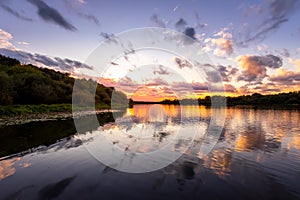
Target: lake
(155, 152)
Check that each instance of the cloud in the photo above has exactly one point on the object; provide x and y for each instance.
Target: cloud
(50, 14)
(266, 88)
(157, 82)
(190, 32)
(227, 73)
(76, 6)
(14, 13)
(262, 47)
(222, 74)
(108, 82)
(127, 85)
(5, 38)
(89, 17)
(255, 67)
(295, 62)
(23, 43)
(270, 87)
(109, 37)
(181, 63)
(175, 8)
(230, 88)
(272, 14)
(199, 24)
(213, 76)
(161, 71)
(285, 53)
(222, 42)
(286, 77)
(186, 89)
(158, 22)
(56, 63)
(82, 1)
(180, 24)
(199, 87)
(68, 64)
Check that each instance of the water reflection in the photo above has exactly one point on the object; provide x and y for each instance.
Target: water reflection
(55, 189)
(256, 157)
(7, 168)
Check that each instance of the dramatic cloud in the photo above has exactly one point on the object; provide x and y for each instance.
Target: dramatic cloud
(158, 22)
(14, 13)
(45, 61)
(161, 71)
(50, 14)
(255, 67)
(5, 38)
(182, 63)
(272, 15)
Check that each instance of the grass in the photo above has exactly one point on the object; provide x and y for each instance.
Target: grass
(13, 110)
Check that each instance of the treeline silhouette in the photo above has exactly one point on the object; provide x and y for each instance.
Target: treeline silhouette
(256, 99)
(28, 84)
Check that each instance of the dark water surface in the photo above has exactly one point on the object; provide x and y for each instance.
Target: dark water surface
(256, 157)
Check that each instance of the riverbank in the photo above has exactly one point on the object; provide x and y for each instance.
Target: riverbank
(20, 114)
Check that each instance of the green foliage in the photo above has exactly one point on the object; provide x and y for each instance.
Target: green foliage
(6, 85)
(28, 109)
(28, 84)
(281, 99)
(6, 61)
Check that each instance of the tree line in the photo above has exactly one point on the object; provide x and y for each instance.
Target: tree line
(28, 84)
(256, 99)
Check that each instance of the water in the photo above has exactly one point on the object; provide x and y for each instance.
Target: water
(257, 156)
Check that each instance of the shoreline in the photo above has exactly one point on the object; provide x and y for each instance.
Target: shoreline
(46, 116)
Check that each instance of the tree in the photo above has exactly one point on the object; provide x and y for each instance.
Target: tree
(5, 89)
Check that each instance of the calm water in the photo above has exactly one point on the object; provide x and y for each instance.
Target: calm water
(257, 156)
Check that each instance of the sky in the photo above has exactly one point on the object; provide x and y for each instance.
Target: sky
(253, 45)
